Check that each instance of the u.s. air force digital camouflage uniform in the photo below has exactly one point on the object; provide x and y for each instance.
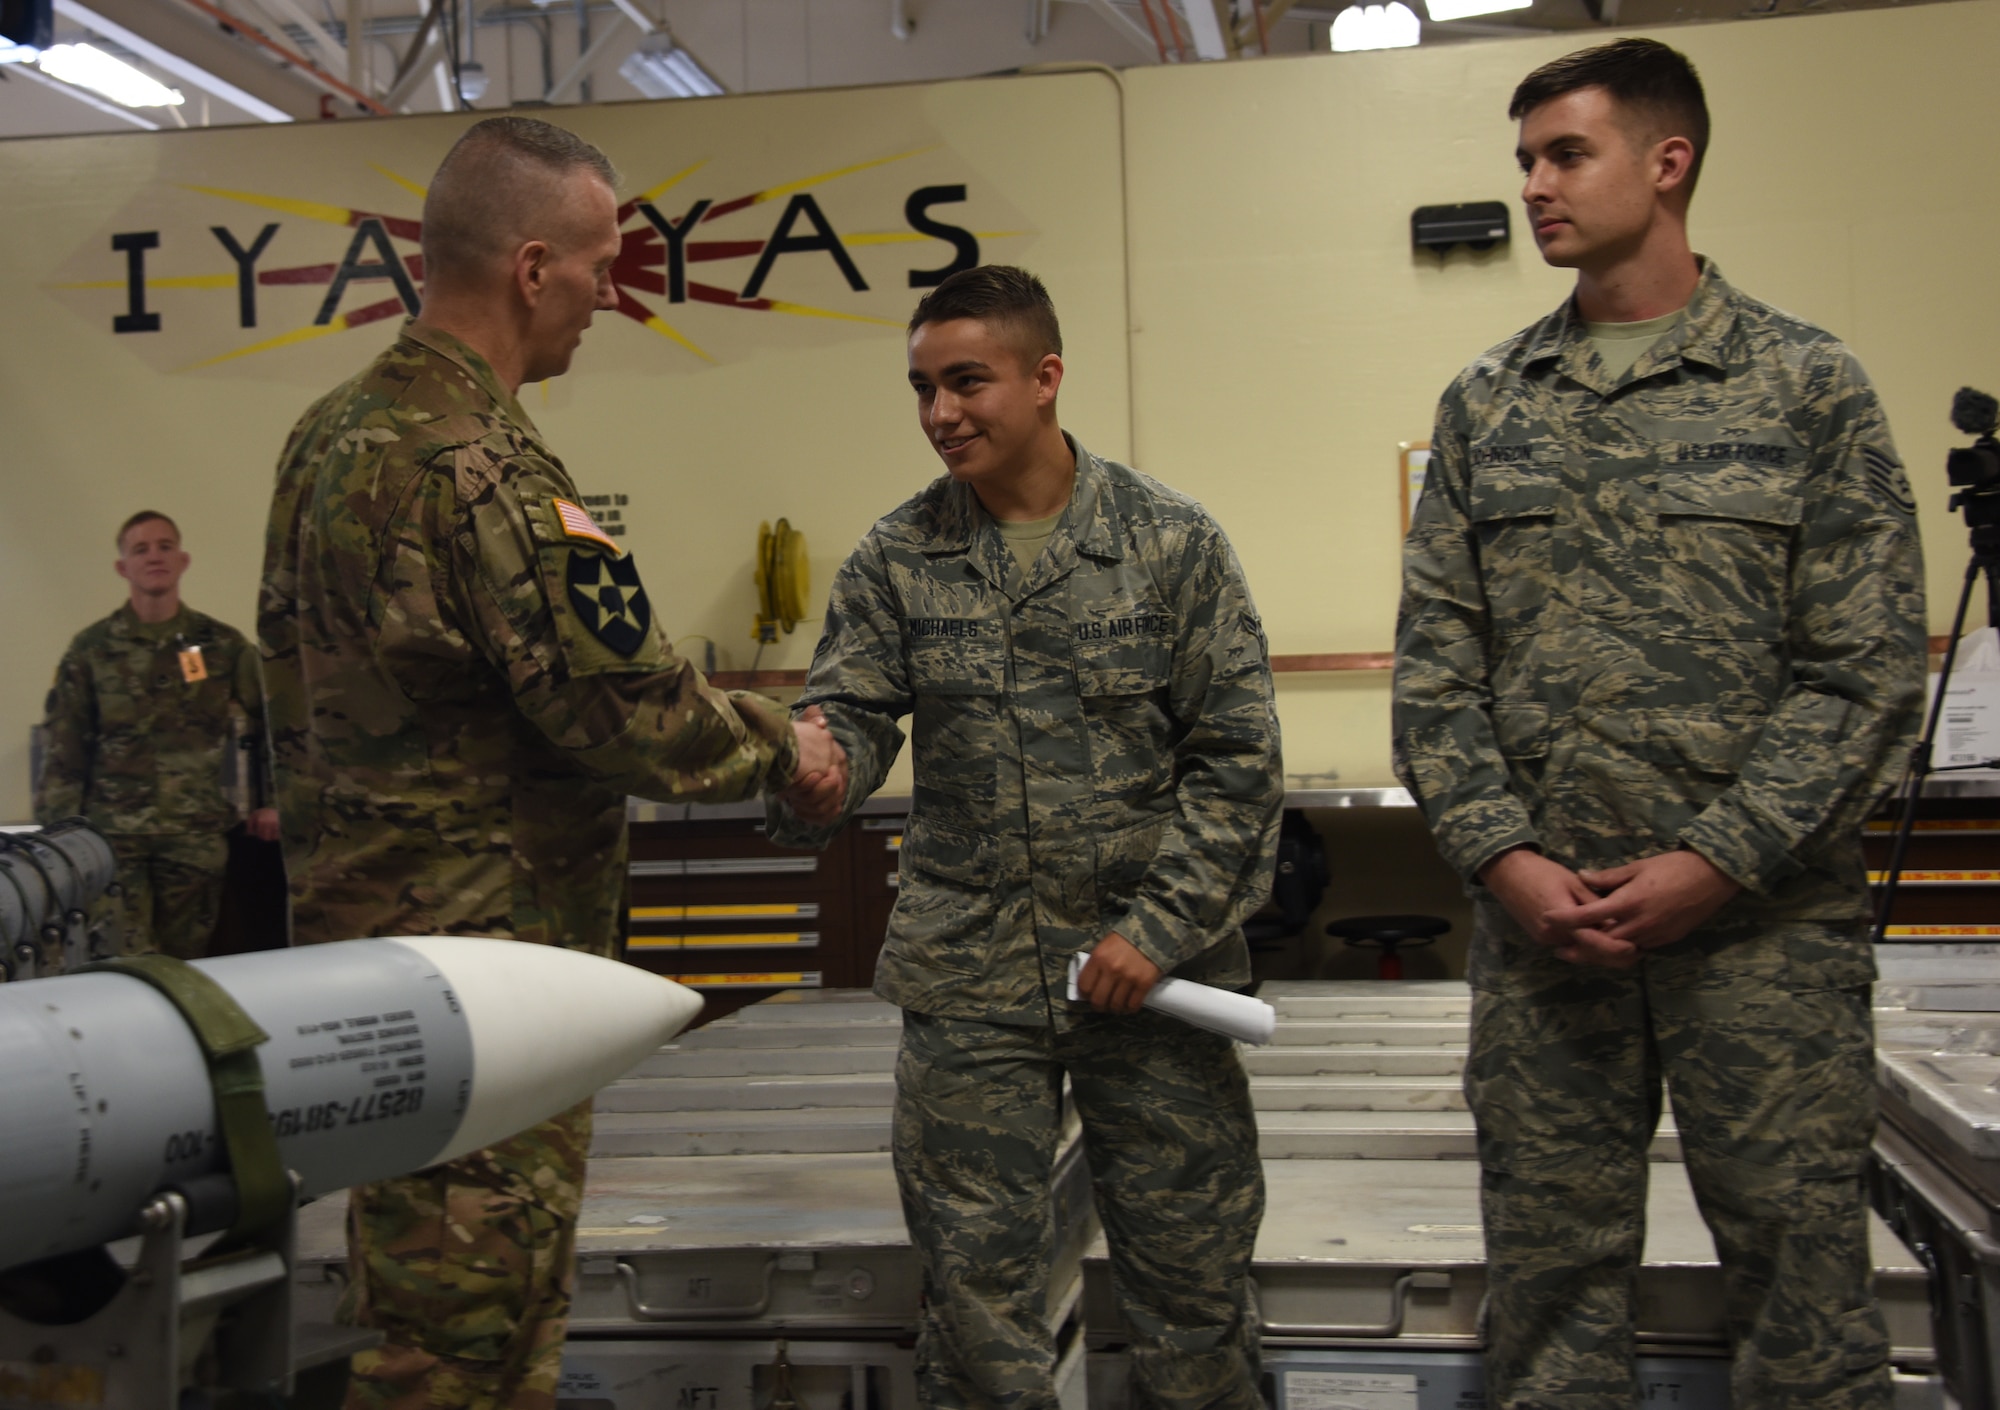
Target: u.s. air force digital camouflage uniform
(1683, 608)
(142, 752)
(1096, 751)
(466, 680)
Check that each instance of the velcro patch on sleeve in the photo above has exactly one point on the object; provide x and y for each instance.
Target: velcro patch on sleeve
(577, 524)
(1886, 477)
(608, 601)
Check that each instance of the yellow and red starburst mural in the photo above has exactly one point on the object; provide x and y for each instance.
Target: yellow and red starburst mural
(697, 256)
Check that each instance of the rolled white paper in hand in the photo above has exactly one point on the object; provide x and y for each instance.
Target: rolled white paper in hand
(1237, 1016)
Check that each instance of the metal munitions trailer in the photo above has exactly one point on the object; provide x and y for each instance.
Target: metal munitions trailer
(1937, 1171)
(1370, 1266)
(741, 1232)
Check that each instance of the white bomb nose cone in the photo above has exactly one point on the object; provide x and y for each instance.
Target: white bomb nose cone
(384, 1056)
(549, 1027)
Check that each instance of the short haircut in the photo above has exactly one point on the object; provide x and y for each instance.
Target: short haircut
(998, 294)
(1655, 84)
(498, 186)
(141, 517)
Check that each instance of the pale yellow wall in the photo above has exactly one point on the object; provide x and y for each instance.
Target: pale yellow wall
(1284, 336)
(806, 417)
(1287, 337)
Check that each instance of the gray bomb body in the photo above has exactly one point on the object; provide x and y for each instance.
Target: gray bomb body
(385, 1056)
(47, 876)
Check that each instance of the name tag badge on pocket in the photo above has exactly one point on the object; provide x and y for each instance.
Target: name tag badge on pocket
(193, 668)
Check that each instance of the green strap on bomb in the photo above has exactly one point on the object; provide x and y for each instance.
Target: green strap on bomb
(229, 1038)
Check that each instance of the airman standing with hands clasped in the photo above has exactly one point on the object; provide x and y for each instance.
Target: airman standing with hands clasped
(1661, 649)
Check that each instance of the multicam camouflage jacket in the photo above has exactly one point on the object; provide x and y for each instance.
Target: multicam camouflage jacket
(1684, 607)
(136, 746)
(466, 677)
(1096, 746)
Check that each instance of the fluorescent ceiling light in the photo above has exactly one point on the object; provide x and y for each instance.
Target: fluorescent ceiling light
(1391, 26)
(169, 62)
(659, 68)
(12, 53)
(92, 68)
(86, 97)
(1442, 10)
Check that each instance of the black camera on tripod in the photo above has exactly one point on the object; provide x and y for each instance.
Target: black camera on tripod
(1975, 469)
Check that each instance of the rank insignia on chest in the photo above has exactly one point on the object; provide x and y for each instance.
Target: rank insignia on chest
(193, 667)
(608, 599)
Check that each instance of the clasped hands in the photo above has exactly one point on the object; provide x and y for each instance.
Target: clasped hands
(818, 789)
(1607, 917)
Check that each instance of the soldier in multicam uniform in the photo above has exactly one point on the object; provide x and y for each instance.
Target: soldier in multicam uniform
(466, 680)
(1661, 648)
(1097, 769)
(146, 707)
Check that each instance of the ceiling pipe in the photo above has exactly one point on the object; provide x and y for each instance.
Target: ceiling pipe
(332, 52)
(294, 58)
(1123, 24)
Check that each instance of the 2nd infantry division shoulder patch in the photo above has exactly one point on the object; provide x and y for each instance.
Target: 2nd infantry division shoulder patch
(608, 599)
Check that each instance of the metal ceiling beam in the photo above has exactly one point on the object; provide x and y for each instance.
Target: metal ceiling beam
(565, 85)
(1246, 31)
(332, 53)
(298, 61)
(646, 23)
(358, 75)
(417, 59)
(197, 53)
(1123, 24)
(1205, 28)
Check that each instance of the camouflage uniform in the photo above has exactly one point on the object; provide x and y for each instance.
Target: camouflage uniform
(1679, 608)
(1096, 752)
(142, 751)
(466, 681)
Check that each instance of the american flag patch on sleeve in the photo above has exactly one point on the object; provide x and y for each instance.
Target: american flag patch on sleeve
(578, 524)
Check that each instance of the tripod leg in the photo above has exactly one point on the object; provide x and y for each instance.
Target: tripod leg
(1920, 757)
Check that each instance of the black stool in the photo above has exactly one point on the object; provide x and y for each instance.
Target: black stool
(1386, 933)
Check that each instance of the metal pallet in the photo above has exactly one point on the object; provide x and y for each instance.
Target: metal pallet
(1937, 1168)
(1370, 1265)
(741, 1225)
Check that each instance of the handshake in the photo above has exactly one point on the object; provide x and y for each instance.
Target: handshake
(818, 790)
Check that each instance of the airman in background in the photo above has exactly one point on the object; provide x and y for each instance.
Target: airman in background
(154, 711)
